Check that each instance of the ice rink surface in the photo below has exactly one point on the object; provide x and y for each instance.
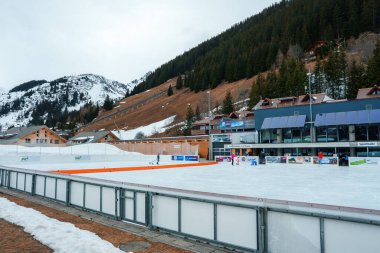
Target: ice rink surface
(325, 184)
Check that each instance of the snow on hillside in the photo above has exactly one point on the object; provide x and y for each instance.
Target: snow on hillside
(71, 92)
(157, 127)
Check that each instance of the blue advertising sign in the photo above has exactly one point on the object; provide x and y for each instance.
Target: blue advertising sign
(177, 157)
(191, 158)
(239, 123)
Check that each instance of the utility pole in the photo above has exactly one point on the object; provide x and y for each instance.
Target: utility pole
(310, 109)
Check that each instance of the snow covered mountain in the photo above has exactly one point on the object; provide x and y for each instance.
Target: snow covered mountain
(20, 105)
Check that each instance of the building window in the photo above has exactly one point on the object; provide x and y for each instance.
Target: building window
(287, 134)
(27, 140)
(343, 133)
(305, 131)
(332, 134)
(56, 141)
(373, 133)
(321, 134)
(360, 133)
(361, 152)
(269, 136)
(51, 141)
(296, 135)
(374, 152)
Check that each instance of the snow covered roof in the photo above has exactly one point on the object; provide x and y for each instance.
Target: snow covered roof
(91, 137)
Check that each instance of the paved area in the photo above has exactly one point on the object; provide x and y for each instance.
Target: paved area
(151, 235)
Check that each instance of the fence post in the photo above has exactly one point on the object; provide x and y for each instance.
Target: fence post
(148, 209)
(1, 177)
(122, 204)
(9, 180)
(34, 184)
(262, 229)
(322, 233)
(68, 191)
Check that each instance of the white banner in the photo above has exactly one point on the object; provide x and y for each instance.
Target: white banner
(360, 161)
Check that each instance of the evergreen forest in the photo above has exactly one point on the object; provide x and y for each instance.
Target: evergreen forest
(256, 44)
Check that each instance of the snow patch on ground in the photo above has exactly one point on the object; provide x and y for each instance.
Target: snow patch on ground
(157, 127)
(62, 237)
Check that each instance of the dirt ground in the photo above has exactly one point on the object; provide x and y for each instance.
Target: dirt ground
(14, 240)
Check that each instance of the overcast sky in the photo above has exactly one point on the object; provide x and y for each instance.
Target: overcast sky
(120, 39)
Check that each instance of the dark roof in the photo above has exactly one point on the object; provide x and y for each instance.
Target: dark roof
(373, 92)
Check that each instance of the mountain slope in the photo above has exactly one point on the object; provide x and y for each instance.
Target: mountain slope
(38, 101)
(252, 46)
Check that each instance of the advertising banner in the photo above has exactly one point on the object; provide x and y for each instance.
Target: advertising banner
(222, 159)
(239, 123)
(189, 158)
(178, 157)
(30, 158)
(192, 158)
(299, 159)
(251, 160)
(360, 161)
(275, 159)
(82, 158)
(231, 123)
(326, 160)
(221, 138)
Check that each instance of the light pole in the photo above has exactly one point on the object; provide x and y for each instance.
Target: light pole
(310, 109)
(209, 111)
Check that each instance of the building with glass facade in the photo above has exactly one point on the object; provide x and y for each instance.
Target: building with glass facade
(307, 124)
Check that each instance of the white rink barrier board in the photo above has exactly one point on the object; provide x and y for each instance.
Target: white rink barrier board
(230, 221)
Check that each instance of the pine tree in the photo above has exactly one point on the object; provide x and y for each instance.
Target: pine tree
(356, 80)
(318, 78)
(336, 74)
(255, 94)
(108, 103)
(228, 104)
(179, 83)
(190, 119)
(373, 69)
(170, 91)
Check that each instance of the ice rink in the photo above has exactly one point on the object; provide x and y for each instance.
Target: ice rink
(325, 184)
(332, 185)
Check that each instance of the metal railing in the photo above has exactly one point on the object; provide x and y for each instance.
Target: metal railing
(249, 224)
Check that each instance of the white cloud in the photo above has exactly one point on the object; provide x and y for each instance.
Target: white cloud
(121, 39)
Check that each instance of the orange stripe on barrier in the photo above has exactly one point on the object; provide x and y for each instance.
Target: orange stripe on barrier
(169, 166)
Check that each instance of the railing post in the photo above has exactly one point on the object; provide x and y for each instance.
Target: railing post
(262, 229)
(322, 233)
(148, 209)
(9, 179)
(1, 177)
(68, 191)
(122, 203)
(33, 184)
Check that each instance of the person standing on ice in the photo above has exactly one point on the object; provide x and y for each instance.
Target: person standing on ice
(158, 158)
(232, 158)
(320, 157)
